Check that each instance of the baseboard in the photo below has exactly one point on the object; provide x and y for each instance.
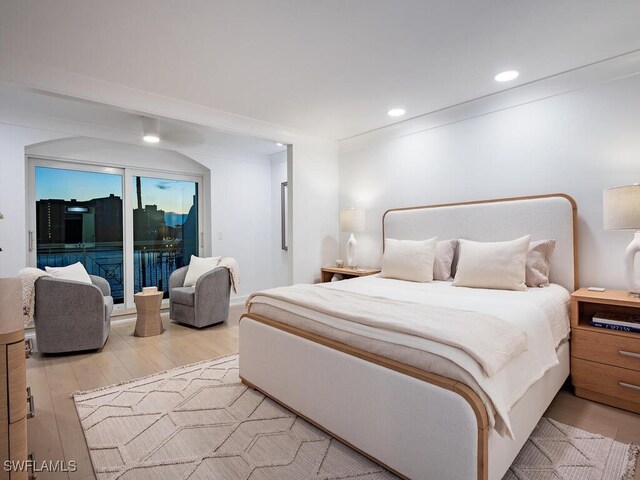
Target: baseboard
(238, 300)
(130, 316)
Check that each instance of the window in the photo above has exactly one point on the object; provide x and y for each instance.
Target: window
(79, 219)
(131, 227)
(165, 229)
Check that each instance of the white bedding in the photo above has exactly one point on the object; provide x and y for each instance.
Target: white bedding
(541, 312)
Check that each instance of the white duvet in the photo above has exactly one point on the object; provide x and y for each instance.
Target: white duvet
(542, 313)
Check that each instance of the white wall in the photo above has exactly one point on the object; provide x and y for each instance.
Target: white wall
(241, 217)
(279, 257)
(13, 229)
(313, 188)
(577, 143)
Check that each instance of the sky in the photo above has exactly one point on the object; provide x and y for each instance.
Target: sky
(168, 195)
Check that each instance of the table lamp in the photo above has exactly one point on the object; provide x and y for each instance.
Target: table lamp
(621, 207)
(351, 221)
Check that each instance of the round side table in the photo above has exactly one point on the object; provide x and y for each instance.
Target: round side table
(149, 322)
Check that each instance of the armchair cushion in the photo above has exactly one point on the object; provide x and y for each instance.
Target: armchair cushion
(183, 295)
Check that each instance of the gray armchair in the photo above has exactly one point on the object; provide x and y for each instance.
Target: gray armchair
(205, 304)
(72, 316)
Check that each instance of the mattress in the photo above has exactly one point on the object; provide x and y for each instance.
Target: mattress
(546, 310)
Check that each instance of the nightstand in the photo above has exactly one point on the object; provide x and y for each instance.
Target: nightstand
(346, 272)
(605, 364)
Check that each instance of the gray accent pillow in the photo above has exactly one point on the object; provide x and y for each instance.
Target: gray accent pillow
(445, 251)
(539, 263)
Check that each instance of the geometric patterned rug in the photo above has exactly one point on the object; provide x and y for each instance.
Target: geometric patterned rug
(557, 451)
(198, 422)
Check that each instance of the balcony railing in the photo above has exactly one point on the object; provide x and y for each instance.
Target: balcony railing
(106, 260)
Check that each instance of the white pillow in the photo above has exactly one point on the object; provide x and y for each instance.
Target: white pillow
(499, 265)
(409, 259)
(75, 272)
(198, 266)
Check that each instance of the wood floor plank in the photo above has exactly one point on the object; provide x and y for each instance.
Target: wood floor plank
(43, 434)
(88, 374)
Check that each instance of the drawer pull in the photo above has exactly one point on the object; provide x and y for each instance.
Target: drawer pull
(629, 385)
(629, 354)
(32, 406)
(28, 347)
(32, 462)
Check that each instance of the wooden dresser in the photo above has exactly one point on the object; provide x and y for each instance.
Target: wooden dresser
(605, 364)
(13, 379)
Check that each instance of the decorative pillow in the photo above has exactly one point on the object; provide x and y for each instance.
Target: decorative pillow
(445, 251)
(409, 259)
(499, 265)
(539, 263)
(75, 272)
(198, 266)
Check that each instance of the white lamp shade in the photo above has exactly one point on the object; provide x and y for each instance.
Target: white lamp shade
(352, 220)
(621, 207)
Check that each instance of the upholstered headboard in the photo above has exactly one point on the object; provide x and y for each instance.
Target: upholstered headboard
(543, 217)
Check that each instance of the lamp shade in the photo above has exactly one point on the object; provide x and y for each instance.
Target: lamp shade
(352, 220)
(621, 207)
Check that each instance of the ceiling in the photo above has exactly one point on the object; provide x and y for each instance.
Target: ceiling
(30, 108)
(326, 68)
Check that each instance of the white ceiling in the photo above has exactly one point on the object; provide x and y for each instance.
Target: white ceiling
(28, 108)
(327, 68)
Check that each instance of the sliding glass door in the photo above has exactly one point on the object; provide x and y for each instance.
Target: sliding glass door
(79, 218)
(132, 227)
(165, 229)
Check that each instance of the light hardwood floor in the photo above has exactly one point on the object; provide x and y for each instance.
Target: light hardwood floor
(55, 432)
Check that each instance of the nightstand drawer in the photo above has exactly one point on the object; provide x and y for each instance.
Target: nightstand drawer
(611, 381)
(606, 348)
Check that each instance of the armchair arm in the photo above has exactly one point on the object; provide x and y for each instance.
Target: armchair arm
(176, 279)
(213, 291)
(216, 279)
(102, 284)
(64, 306)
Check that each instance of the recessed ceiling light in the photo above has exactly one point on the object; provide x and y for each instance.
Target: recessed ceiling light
(396, 112)
(280, 144)
(151, 138)
(506, 76)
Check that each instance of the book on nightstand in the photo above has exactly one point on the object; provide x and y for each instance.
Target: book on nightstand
(616, 321)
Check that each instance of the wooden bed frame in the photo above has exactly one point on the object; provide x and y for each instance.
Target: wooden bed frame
(462, 390)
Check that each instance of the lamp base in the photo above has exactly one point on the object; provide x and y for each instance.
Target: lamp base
(351, 251)
(629, 262)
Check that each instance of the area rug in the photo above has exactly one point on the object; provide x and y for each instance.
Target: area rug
(199, 422)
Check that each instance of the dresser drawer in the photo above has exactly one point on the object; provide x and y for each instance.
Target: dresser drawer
(611, 381)
(18, 446)
(17, 379)
(606, 348)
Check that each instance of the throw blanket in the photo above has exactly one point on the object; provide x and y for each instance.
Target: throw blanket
(28, 277)
(490, 341)
(234, 273)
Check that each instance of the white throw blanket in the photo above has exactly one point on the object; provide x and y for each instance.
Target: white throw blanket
(234, 273)
(28, 277)
(490, 341)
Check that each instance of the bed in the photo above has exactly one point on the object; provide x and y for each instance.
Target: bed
(419, 414)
